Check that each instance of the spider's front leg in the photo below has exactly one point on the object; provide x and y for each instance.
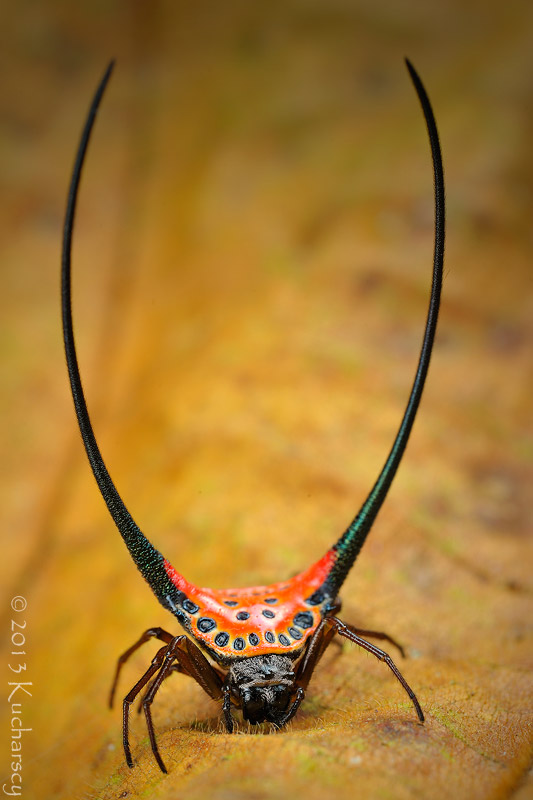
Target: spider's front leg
(349, 633)
(226, 706)
(293, 708)
(156, 664)
(180, 654)
(323, 636)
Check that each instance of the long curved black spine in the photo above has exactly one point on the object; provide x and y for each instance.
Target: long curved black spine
(149, 561)
(349, 545)
(146, 557)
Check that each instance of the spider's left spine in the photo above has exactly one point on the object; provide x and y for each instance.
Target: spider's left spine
(149, 561)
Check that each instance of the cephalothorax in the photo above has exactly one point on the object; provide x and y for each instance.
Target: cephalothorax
(254, 649)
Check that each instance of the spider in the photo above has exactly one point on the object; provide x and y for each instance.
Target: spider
(255, 649)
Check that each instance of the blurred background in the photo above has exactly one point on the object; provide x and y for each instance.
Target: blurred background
(252, 261)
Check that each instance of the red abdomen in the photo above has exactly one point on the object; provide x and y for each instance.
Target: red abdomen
(233, 623)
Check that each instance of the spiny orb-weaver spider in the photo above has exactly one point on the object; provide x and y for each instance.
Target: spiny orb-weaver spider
(255, 648)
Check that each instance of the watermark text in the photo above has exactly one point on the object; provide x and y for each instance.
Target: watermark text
(18, 692)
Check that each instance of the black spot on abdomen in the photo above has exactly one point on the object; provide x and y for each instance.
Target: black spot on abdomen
(304, 619)
(206, 624)
(316, 598)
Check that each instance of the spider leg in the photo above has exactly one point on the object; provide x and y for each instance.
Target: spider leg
(192, 662)
(315, 649)
(166, 666)
(323, 636)
(344, 630)
(174, 668)
(374, 635)
(198, 667)
(132, 694)
(336, 609)
(156, 633)
(226, 708)
(300, 694)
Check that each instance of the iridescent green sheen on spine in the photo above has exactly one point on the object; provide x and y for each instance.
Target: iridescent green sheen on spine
(352, 540)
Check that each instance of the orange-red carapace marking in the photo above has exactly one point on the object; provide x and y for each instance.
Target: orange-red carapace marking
(233, 623)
